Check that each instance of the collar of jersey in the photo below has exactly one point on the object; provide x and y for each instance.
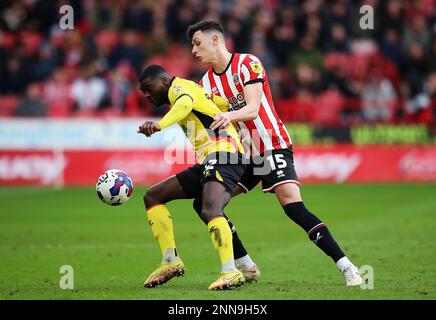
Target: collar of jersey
(171, 83)
(228, 65)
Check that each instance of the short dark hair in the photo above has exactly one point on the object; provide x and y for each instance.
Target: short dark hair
(204, 25)
(151, 72)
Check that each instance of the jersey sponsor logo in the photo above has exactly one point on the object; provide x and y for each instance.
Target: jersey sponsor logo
(256, 67)
(237, 102)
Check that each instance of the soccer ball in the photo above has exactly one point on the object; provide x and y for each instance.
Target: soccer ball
(114, 187)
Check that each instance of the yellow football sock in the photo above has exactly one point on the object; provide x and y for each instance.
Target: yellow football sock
(162, 227)
(221, 236)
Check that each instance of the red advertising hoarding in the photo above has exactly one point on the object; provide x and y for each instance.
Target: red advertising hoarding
(336, 164)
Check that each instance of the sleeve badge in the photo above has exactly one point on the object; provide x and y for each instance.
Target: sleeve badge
(256, 67)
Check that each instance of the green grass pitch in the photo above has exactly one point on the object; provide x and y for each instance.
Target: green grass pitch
(112, 250)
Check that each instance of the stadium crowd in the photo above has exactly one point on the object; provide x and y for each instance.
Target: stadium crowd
(322, 67)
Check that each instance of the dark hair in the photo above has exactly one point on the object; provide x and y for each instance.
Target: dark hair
(204, 25)
(151, 72)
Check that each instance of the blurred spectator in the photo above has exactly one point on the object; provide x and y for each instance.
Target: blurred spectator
(158, 43)
(129, 49)
(418, 107)
(104, 14)
(432, 55)
(338, 41)
(313, 28)
(57, 93)
(259, 49)
(13, 18)
(415, 67)
(32, 105)
(120, 86)
(17, 75)
(89, 92)
(138, 16)
(378, 98)
(180, 16)
(284, 37)
(75, 50)
(307, 54)
(237, 30)
(47, 62)
(338, 13)
(393, 16)
(335, 79)
(418, 32)
(391, 47)
(106, 42)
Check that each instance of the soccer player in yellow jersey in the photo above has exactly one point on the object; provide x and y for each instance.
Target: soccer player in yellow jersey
(213, 179)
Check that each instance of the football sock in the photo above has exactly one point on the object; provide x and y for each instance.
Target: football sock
(317, 231)
(238, 248)
(162, 228)
(245, 261)
(222, 241)
(342, 263)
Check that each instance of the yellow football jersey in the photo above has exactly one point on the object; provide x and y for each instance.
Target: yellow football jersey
(194, 110)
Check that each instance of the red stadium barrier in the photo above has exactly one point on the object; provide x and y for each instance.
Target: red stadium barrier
(335, 164)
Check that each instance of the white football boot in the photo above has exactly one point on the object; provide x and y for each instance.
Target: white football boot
(352, 276)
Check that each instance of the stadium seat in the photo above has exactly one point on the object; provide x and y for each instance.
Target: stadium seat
(31, 40)
(107, 39)
(7, 40)
(8, 105)
(329, 108)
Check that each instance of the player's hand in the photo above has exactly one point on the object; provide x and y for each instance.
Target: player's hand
(148, 128)
(221, 121)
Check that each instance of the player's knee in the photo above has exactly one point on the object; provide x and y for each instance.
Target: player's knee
(210, 209)
(197, 205)
(207, 215)
(288, 193)
(152, 197)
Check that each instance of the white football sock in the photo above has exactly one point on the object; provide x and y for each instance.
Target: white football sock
(342, 263)
(245, 261)
(229, 266)
(169, 256)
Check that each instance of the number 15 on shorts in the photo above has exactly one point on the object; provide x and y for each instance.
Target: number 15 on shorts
(271, 163)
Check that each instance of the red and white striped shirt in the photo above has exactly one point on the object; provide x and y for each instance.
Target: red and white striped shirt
(266, 131)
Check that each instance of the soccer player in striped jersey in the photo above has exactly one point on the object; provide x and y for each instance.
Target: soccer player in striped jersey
(242, 80)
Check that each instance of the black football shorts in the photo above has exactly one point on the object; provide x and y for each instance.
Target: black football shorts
(225, 168)
(274, 168)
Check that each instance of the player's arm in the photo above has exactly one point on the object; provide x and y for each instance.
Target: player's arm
(181, 108)
(253, 96)
(220, 102)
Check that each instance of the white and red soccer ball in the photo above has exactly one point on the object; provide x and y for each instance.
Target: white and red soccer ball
(114, 187)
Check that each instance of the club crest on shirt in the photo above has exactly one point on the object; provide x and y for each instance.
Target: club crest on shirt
(256, 67)
(177, 89)
(235, 78)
